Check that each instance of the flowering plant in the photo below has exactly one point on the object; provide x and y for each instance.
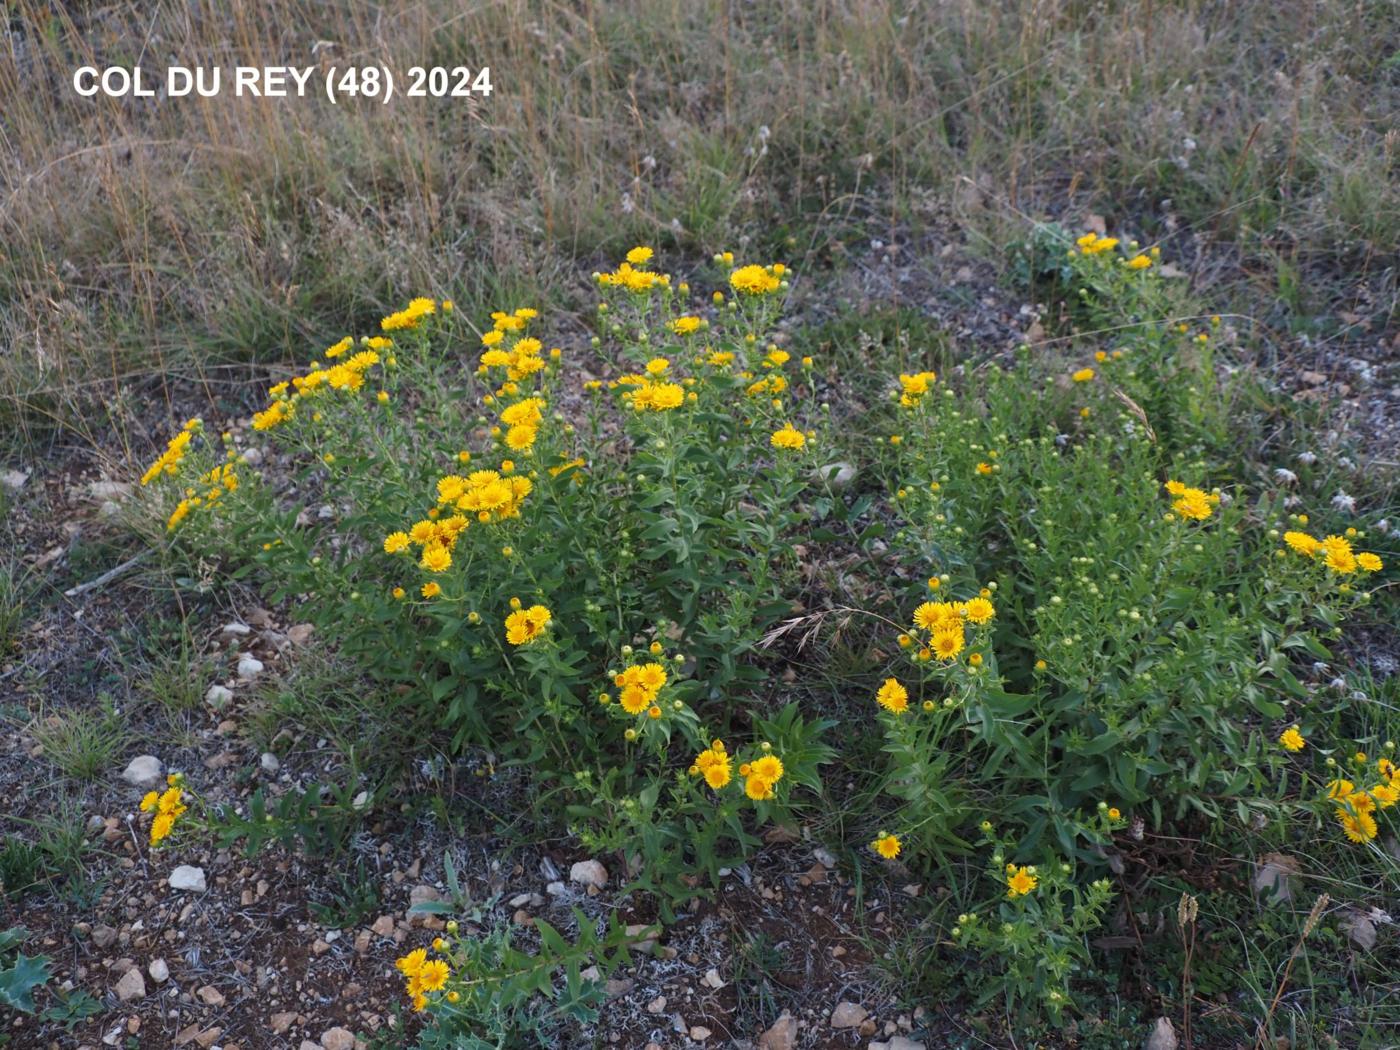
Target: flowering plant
(430, 510)
(1031, 938)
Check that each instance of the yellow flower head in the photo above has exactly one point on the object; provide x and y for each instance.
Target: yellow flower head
(436, 558)
(1192, 503)
(1385, 795)
(946, 644)
(1338, 555)
(769, 767)
(525, 625)
(410, 316)
(1292, 739)
(980, 611)
(754, 280)
(1339, 789)
(714, 765)
(1301, 542)
(411, 964)
(1359, 827)
(886, 845)
(893, 697)
(937, 616)
(432, 975)
(758, 788)
(789, 437)
(634, 699)
(1020, 881)
(161, 827)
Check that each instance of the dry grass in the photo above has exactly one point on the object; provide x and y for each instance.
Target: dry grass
(183, 241)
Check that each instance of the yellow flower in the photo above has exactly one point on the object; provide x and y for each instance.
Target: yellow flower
(525, 625)
(651, 677)
(1292, 739)
(528, 412)
(1083, 375)
(1339, 789)
(433, 975)
(1020, 881)
(893, 697)
(395, 542)
(436, 558)
(937, 616)
(657, 366)
(656, 397)
(754, 280)
(1139, 262)
(788, 437)
(758, 788)
(411, 964)
(946, 644)
(914, 387)
(521, 438)
(275, 414)
(713, 764)
(639, 256)
(633, 699)
(980, 611)
(1191, 503)
(886, 845)
(149, 801)
(686, 325)
(1338, 556)
(431, 589)
(410, 316)
(984, 469)
(1361, 802)
(1301, 542)
(1369, 562)
(1385, 795)
(161, 827)
(1359, 827)
(769, 767)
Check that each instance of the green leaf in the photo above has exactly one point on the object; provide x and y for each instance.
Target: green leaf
(17, 982)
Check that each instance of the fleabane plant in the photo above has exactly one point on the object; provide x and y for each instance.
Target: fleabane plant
(458, 513)
(1141, 602)
(682, 805)
(1032, 937)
